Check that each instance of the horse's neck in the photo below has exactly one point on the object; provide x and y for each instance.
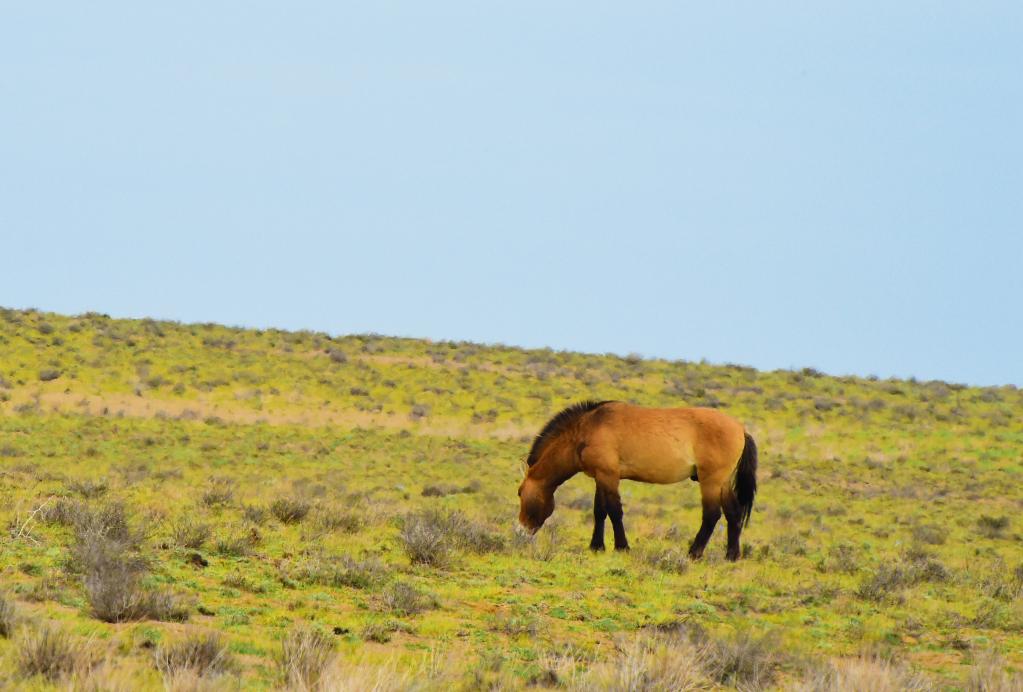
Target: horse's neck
(558, 465)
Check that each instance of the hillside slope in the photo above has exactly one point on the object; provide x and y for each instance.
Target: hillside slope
(268, 478)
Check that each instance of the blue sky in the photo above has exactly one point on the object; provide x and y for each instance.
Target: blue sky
(835, 185)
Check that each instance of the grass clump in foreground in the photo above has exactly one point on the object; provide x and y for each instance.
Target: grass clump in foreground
(52, 653)
(9, 616)
(683, 658)
(200, 655)
(305, 658)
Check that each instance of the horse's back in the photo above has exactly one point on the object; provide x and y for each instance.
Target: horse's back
(665, 445)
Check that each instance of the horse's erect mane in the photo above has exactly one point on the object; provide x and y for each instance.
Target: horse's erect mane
(558, 424)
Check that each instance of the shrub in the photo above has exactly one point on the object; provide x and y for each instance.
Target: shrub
(110, 521)
(106, 553)
(439, 490)
(425, 541)
(518, 622)
(840, 558)
(992, 527)
(88, 488)
(913, 567)
(744, 661)
(204, 654)
(443, 489)
(305, 656)
(51, 653)
(190, 533)
(237, 545)
(48, 375)
(8, 616)
(218, 494)
(333, 519)
(381, 632)
(342, 571)
(471, 535)
(404, 599)
(254, 514)
(289, 510)
(930, 534)
(429, 536)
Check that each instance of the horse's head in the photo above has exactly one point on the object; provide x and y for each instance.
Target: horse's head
(536, 503)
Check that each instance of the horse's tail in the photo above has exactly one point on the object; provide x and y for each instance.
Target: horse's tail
(744, 482)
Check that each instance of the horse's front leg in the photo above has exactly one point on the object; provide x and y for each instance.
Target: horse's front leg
(608, 486)
(599, 514)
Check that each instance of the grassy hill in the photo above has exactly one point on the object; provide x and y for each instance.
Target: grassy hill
(201, 507)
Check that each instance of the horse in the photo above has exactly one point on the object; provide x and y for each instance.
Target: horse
(612, 441)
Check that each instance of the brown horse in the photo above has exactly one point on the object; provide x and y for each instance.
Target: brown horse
(611, 441)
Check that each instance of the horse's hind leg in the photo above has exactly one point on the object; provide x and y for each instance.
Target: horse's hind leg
(734, 518)
(710, 492)
(599, 514)
(711, 514)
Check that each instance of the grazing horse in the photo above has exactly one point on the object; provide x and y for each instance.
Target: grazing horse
(611, 441)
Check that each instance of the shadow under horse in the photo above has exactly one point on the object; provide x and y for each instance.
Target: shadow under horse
(611, 441)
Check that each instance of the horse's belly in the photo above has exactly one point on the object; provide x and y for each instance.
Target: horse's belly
(665, 469)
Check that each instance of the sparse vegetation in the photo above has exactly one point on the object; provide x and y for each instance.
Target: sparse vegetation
(249, 480)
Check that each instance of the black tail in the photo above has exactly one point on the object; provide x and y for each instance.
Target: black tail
(744, 483)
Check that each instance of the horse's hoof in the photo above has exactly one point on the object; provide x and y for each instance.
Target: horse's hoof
(622, 548)
(597, 548)
(732, 558)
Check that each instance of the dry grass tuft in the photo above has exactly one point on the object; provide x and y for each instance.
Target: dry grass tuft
(52, 653)
(305, 658)
(289, 510)
(202, 655)
(866, 675)
(646, 663)
(989, 674)
(8, 616)
(425, 541)
(405, 599)
(190, 533)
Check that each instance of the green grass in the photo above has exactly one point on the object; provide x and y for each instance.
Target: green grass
(272, 479)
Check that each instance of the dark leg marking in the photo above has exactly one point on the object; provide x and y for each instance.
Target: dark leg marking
(613, 502)
(710, 520)
(599, 514)
(734, 518)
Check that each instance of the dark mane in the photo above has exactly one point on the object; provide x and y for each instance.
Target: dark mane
(558, 424)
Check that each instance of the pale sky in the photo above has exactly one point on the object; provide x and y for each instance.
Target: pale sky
(834, 185)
